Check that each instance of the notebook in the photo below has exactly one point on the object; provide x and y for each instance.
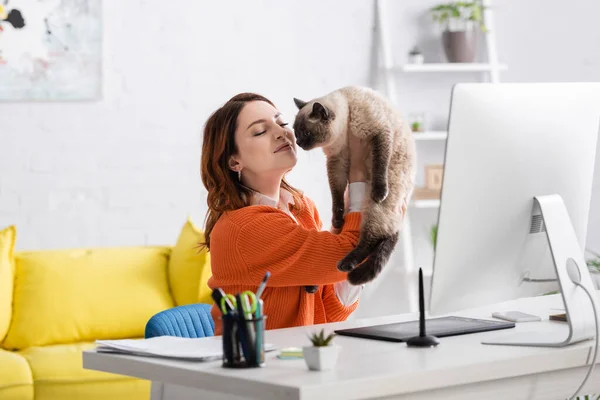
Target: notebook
(193, 349)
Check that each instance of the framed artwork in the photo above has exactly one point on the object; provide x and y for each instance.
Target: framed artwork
(50, 49)
(433, 176)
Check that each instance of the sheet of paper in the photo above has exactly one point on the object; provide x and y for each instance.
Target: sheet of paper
(202, 349)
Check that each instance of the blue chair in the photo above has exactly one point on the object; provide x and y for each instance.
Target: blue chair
(190, 321)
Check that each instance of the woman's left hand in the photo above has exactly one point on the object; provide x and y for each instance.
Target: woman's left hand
(401, 208)
(357, 149)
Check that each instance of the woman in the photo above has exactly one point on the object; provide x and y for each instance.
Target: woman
(257, 222)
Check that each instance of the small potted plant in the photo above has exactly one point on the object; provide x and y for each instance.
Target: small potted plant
(323, 353)
(415, 56)
(417, 121)
(457, 20)
(416, 127)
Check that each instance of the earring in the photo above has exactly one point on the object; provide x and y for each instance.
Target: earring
(240, 175)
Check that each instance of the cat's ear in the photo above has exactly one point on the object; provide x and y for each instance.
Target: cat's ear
(299, 103)
(319, 111)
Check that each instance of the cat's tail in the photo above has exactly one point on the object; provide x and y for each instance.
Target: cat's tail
(371, 268)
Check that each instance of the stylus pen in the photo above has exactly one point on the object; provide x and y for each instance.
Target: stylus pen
(421, 305)
(263, 284)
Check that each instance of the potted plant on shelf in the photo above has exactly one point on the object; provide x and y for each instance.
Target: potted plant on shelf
(416, 126)
(415, 56)
(323, 353)
(417, 121)
(458, 20)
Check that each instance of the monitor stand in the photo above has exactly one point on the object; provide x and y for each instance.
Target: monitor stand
(567, 255)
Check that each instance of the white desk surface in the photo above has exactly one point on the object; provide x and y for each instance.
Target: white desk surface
(460, 367)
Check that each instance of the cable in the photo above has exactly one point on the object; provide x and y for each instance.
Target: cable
(597, 338)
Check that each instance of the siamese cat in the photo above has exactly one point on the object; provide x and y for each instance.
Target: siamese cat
(326, 122)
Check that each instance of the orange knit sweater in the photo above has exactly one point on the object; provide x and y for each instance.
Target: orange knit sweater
(246, 243)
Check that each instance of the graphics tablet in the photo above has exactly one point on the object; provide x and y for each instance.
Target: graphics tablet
(440, 327)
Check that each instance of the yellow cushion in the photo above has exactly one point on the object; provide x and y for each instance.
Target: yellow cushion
(66, 296)
(124, 389)
(16, 382)
(7, 244)
(62, 362)
(189, 268)
(58, 374)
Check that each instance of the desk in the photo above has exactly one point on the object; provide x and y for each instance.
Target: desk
(459, 368)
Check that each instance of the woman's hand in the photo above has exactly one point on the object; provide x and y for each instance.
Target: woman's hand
(401, 209)
(358, 153)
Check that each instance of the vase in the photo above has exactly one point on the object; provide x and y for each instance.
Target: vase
(320, 358)
(460, 46)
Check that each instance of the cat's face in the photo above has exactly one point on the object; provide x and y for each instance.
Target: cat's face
(313, 125)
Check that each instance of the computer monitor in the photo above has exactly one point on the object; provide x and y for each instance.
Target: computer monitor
(515, 198)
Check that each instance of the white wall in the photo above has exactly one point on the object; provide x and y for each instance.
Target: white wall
(125, 170)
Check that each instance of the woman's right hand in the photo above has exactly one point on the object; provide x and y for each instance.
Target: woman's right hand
(358, 154)
(357, 172)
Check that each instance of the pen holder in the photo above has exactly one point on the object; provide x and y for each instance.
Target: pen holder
(243, 341)
(232, 356)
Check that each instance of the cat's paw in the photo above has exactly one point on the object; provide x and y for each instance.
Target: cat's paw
(360, 276)
(380, 192)
(311, 289)
(337, 221)
(346, 265)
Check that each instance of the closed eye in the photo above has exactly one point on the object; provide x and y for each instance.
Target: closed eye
(259, 133)
(284, 124)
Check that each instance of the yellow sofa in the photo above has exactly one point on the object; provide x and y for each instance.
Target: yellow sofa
(56, 303)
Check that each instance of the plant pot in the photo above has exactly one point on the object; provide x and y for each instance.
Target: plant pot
(460, 46)
(320, 358)
(416, 59)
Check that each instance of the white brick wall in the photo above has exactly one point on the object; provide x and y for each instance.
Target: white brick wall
(124, 170)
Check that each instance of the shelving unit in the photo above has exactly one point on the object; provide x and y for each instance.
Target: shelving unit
(430, 135)
(490, 72)
(426, 203)
(449, 67)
